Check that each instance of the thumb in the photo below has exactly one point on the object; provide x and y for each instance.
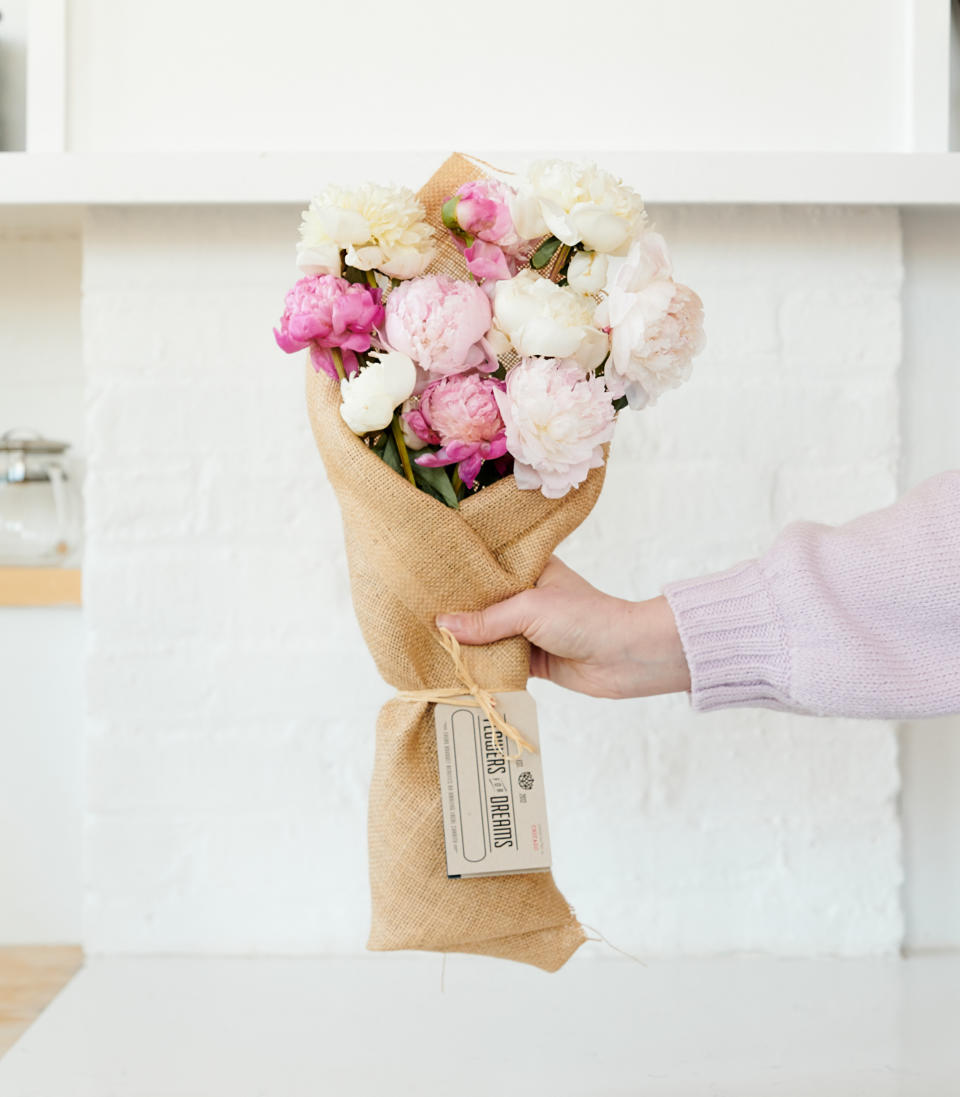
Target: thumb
(496, 622)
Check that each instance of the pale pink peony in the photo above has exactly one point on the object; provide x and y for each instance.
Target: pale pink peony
(647, 261)
(441, 324)
(323, 311)
(653, 347)
(557, 421)
(655, 324)
(483, 213)
(460, 414)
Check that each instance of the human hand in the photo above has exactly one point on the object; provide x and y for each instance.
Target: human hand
(583, 639)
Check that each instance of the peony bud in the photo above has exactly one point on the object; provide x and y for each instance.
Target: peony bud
(371, 397)
(587, 272)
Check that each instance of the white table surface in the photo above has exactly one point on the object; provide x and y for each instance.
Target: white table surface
(131, 1026)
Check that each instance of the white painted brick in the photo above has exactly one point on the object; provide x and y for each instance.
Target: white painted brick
(766, 424)
(257, 881)
(193, 335)
(742, 325)
(231, 702)
(130, 683)
(201, 247)
(831, 493)
(219, 589)
(163, 420)
(150, 505)
(776, 768)
(813, 246)
(833, 335)
(157, 770)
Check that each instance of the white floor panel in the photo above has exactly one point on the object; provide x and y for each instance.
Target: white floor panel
(379, 1025)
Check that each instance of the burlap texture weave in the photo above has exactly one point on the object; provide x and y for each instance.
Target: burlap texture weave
(410, 558)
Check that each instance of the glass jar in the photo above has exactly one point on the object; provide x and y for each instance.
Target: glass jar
(40, 506)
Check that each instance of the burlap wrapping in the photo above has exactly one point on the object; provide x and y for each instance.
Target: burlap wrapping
(410, 558)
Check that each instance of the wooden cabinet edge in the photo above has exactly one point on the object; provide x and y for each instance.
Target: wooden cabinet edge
(23, 586)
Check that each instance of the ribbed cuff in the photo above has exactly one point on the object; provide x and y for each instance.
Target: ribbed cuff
(734, 640)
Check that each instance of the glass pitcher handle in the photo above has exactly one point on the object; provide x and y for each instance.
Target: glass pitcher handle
(65, 506)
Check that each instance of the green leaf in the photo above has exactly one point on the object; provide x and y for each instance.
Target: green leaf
(544, 253)
(431, 493)
(437, 482)
(620, 404)
(391, 455)
(353, 275)
(448, 212)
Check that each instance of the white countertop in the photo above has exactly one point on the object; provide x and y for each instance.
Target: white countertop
(381, 1025)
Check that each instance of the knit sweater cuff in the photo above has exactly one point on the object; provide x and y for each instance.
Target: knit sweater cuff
(733, 638)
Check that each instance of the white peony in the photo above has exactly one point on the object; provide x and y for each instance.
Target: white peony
(371, 396)
(656, 325)
(577, 203)
(557, 421)
(539, 318)
(379, 228)
(587, 271)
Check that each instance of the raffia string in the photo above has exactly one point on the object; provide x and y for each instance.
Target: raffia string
(486, 164)
(480, 698)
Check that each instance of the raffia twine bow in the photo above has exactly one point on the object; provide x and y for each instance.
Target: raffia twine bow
(479, 697)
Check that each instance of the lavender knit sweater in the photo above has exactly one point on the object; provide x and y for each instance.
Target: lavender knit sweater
(855, 620)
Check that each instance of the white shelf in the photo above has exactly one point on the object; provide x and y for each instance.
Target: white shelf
(226, 178)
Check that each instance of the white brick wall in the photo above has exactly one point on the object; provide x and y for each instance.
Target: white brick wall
(231, 701)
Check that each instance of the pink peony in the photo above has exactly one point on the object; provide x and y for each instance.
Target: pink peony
(323, 311)
(483, 213)
(557, 420)
(440, 323)
(487, 261)
(484, 210)
(460, 414)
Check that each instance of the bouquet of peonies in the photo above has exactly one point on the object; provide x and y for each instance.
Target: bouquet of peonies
(469, 351)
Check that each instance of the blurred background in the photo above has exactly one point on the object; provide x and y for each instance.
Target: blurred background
(186, 706)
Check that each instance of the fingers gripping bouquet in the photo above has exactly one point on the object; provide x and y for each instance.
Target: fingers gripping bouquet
(469, 351)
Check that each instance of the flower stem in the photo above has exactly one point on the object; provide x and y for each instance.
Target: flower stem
(371, 279)
(338, 362)
(402, 449)
(563, 258)
(457, 483)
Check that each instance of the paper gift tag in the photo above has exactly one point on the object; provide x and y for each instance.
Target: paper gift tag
(494, 810)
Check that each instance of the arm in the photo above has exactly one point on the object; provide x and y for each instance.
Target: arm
(861, 619)
(583, 639)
